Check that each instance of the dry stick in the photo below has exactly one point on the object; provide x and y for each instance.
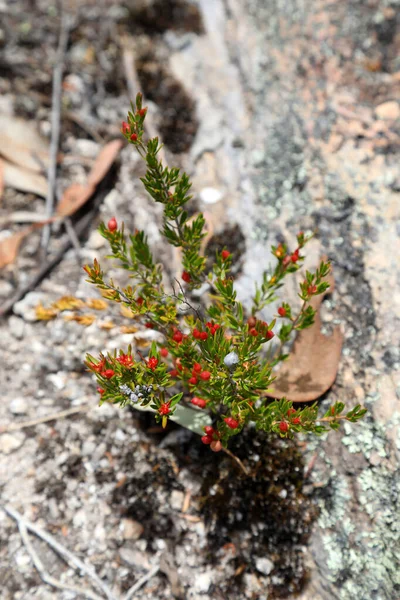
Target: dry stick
(141, 582)
(63, 552)
(55, 123)
(48, 266)
(53, 417)
(237, 460)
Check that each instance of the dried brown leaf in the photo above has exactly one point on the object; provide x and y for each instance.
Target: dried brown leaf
(9, 246)
(21, 143)
(107, 325)
(24, 180)
(97, 304)
(84, 320)
(76, 195)
(68, 303)
(313, 363)
(128, 329)
(45, 314)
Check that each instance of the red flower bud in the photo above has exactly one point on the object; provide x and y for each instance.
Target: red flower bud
(203, 335)
(139, 301)
(149, 325)
(282, 311)
(108, 373)
(197, 367)
(279, 252)
(312, 289)
(142, 112)
(290, 411)
(174, 373)
(164, 409)
(253, 332)
(206, 439)
(196, 333)
(286, 261)
(296, 421)
(186, 276)
(209, 430)
(178, 337)
(164, 352)
(205, 375)
(193, 380)
(295, 256)
(283, 426)
(231, 422)
(269, 334)
(152, 363)
(125, 128)
(112, 225)
(251, 322)
(200, 402)
(133, 137)
(225, 254)
(100, 390)
(216, 446)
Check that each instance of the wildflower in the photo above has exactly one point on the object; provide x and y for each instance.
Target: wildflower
(108, 373)
(311, 290)
(164, 408)
(205, 375)
(152, 363)
(283, 426)
(225, 254)
(186, 276)
(142, 112)
(125, 360)
(200, 402)
(133, 137)
(112, 225)
(203, 335)
(193, 380)
(174, 373)
(100, 390)
(231, 422)
(177, 337)
(206, 439)
(282, 311)
(164, 352)
(125, 128)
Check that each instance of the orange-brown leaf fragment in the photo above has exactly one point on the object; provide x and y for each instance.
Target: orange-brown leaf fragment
(45, 314)
(84, 320)
(313, 362)
(97, 304)
(68, 303)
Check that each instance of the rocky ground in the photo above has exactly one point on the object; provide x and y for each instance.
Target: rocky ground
(286, 116)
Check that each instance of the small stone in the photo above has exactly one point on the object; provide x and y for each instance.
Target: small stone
(10, 442)
(231, 360)
(6, 289)
(135, 558)
(19, 406)
(264, 565)
(203, 582)
(132, 530)
(17, 327)
(388, 111)
(210, 195)
(26, 308)
(176, 500)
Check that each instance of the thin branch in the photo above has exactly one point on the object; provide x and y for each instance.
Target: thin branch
(63, 552)
(46, 419)
(237, 460)
(55, 122)
(185, 300)
(140, 583)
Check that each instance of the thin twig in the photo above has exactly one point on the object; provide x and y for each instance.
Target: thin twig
(140, 583)
(53, 417)
(185, 300)
(55, 122)
(237, 460)
(63, 552)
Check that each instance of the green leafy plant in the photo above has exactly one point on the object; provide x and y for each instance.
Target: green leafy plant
(213, 357)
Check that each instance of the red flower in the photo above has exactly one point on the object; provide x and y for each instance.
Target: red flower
(108, 373)
(283, 426)
(290, 411)
(164, 352)
(209, 430)
(200, 402)
(282, 311)
(205, 375)
(206, 439)
(149, 325)
(186, 277)
(253, 332)
(196, 333)
(139, 301)
(142, 112)
(178, 337)
(112, 225)
(279, 252)
(225, 254)
(197, 367)
(295, 256)
(99, 367)
(269, 334)
(251, 322)
(296, 421)
(164, 409)
(133, 137)
(152, 363)
(193, 380)
(312, 289)
(231, 422)
(100, 390)
(125, 128)
(125, 360)
(174, 373)
(203, 335)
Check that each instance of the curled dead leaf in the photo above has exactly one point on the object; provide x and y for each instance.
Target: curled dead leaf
(45, 314)
(97, 304)
(9, 246)
(128, 329)
(313, 362)
(107, 325)
(68, 303)
(84, 320)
